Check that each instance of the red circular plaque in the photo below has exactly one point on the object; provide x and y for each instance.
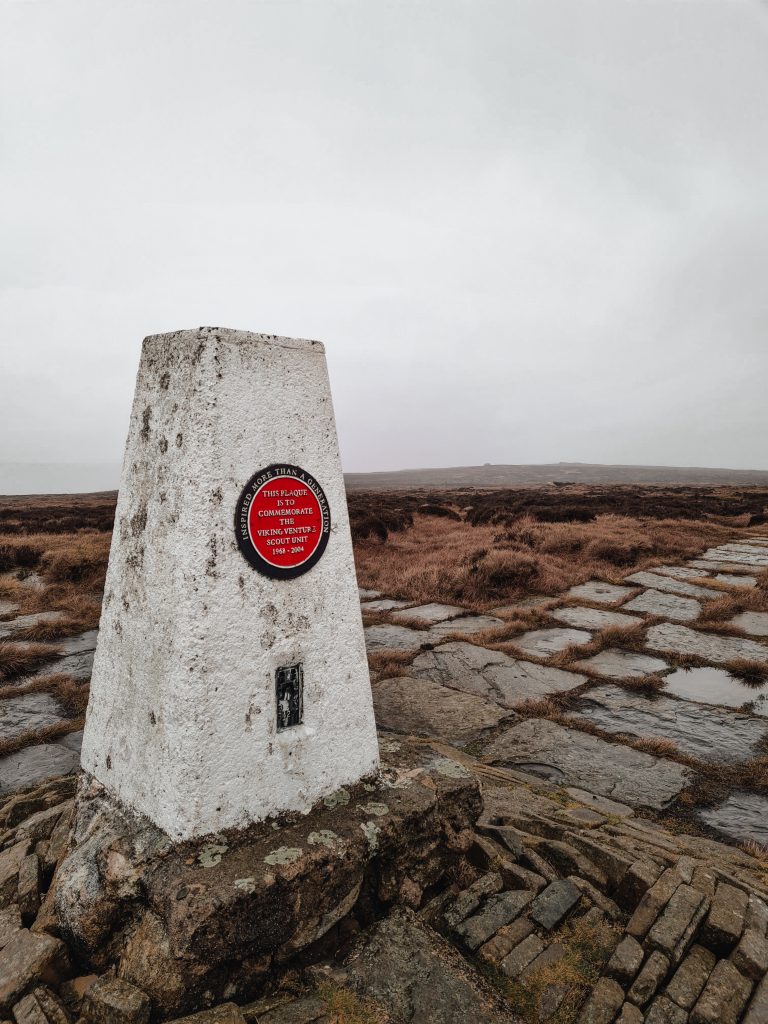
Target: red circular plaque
(282, 521)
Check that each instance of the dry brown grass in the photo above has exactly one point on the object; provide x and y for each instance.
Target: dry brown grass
(34, 737)
(387, 664)
(17, 658)
(479, 566)
(71, 695)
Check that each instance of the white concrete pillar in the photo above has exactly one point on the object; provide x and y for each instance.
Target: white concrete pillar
(230, 681)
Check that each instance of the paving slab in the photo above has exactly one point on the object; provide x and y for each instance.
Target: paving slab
(736, 581)
(493, 675)
(617, 664)
(33, 765)
(574, 758)
(669, 585)
(755, 623)
(681, 572)
(708, 685)
(12, 626)
(467, 626)
(387, 636)
(383, 604)
(421, 707)
(705, 732)
(667, 606)
(710, 566)
(543, 643)
(30, 711)
(757, 559)
(600, 593)
(429, 613)
(368, 595)
(593, 618)
(532, 601)
(676, 639)
(741, 816)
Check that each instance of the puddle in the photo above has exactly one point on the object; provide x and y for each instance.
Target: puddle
(716, 686)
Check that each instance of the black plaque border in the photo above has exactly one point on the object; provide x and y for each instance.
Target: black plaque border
(249, 552)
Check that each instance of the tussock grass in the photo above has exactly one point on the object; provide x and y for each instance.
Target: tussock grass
(71, 695)
(16, 658)
(346, 1007)
(34, 737)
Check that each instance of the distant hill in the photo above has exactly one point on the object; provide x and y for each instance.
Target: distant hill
(553, 473)
(58, 477)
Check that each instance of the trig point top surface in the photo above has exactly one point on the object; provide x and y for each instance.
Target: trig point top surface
(230, 681)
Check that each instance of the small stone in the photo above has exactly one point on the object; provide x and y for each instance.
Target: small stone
(555, 903)
(308, 1010)
(28, 959)
(648, 981)
(603, 1003)
(40, 1007)
(569, 861)
(600, 593)
(724, 997)
(226, 1013)
(29, 887)
(664, 1011)
(114, 1001)
(630, 1014)
(10, 862)
(498, 911)
(751, 955)
(626, 961)
(724, 925)
(10, 923)
(550, 956)
(469, 899)
(674, 930)
(640, 876)
(758, 1008)
(73, 991)
(691, 976)
(523, 954)
(505, 940)
(653, 902)
(756, 917)
(543, 643)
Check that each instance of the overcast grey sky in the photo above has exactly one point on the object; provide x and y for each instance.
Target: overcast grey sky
(527, 231)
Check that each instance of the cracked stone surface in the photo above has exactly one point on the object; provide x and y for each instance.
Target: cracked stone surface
(672, 586)
(574, 758)
(600, 593)
(593, 618)
(736, 581)
(681, 640)
(681, 572)
(27, 712)
(466, 626)
(742, 816)
(391, 637)
(384, 604)
(425, 708)
(705, 732)
(491, 674)
(709, 685)
(33, 765)
(545, 642)
(668, 606)
(755, 623)
(617, 664)
(433, 612)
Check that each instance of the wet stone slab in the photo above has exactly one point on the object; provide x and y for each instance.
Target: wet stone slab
(391, 637)
(600, 593)
(755, 623)
(574, 758)
(617, 664)
(705, 732)
(593, 618)
(492, 675)
(667, 606)
(712, 647)
(430, 613)
(669, 585)
(741, 816)
(543, 643)
(467, 626)
(30, 711)
(33, 765)
(421, 707)
(709, 685)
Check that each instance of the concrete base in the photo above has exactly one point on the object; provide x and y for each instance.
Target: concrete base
(200, 922)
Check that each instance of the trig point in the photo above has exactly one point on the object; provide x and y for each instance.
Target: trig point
(230, 682)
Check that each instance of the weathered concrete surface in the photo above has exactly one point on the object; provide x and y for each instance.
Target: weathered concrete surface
(173, 917)
(425, 708)
(182, 716)
(575, 758)
(705, 732)
(30, 711)
(716, 686)
(593, 618)
(741, 816)
(600, 593)
(617, 664)
(433, 612)
(710, 646)
(545, 642)
(672, 586)
(666, 606)
(420, 979)
(491, 674)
